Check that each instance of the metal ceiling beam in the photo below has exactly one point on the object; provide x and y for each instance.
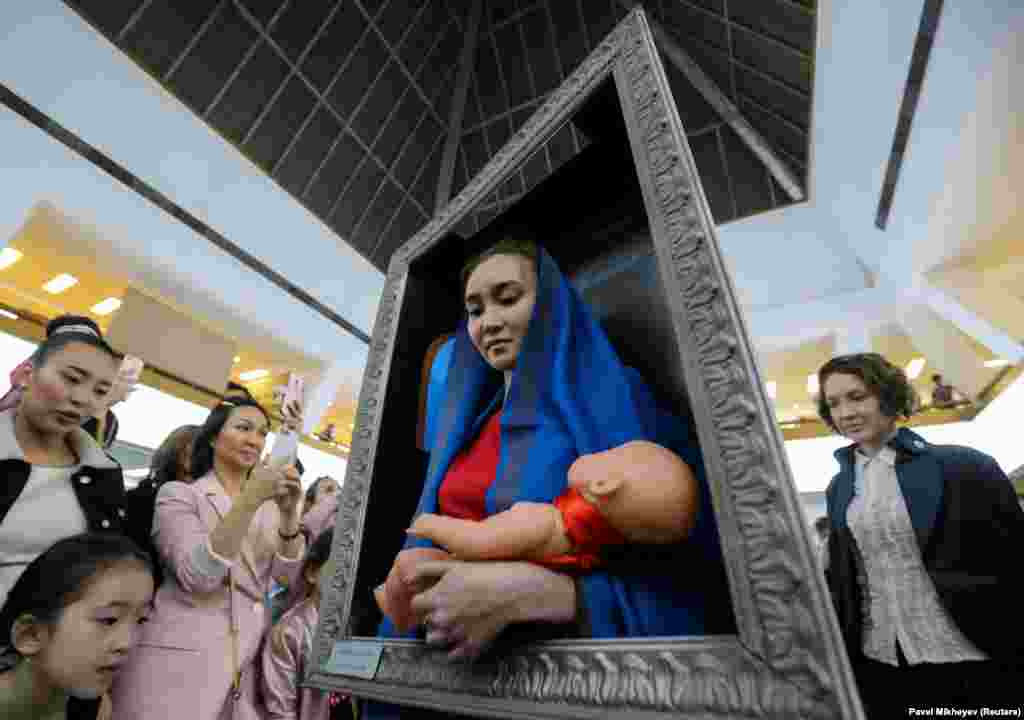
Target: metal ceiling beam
(725, 107)
(908, 106)
(1001, 344)
(947, 352)
(451, 148)
(107, 165)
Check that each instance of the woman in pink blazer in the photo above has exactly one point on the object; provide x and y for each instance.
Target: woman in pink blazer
(221, 542)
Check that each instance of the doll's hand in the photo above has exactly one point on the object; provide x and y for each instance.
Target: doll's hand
(473, 602)
(395, 595)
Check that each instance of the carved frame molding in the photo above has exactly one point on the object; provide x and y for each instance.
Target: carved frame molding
(788, 659)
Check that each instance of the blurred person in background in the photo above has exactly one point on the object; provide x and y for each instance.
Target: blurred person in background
(104, 425)
(289, 650)
(321, 505)
(318, 516)
(917, 560)
(170, 463)
(820, 534)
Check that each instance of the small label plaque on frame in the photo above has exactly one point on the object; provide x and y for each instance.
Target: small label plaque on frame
(355, 658)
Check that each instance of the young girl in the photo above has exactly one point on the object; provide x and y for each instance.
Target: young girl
(68, 624)
(290, 646)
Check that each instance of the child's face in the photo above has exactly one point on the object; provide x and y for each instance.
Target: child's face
(82, 652)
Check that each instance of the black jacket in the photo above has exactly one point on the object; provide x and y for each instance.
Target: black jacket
(969, 527)
(98, 483)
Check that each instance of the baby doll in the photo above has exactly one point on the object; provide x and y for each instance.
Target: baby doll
(638, 492)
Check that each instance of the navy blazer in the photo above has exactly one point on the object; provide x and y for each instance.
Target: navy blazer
(969, 527)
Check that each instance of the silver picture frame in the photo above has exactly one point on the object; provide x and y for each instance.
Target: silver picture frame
(787, 659)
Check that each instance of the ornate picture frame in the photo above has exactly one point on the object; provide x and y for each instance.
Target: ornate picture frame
(788, 659)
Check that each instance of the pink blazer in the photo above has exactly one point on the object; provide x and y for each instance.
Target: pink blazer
(285, 657)
(183, 665)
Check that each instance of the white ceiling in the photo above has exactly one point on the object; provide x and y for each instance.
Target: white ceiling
(823, 268)
(802, 273)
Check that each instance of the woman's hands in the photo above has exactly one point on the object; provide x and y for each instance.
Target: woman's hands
(292, 414)
(281, 485)
(472, 602)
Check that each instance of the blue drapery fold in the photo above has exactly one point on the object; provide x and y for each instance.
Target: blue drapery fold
(570, 395)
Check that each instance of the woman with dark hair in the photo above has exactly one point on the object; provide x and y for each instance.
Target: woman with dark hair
(68, 624)
(56, 481)
(517, 412)
(221, 542)
(171, 462)
(914, 560)
(173, 459)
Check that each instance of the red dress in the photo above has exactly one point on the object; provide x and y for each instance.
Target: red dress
(463, 495)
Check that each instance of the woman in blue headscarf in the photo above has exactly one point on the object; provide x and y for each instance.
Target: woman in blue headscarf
(532, 384)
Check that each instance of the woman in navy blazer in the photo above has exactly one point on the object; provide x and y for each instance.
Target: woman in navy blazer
(915, 562)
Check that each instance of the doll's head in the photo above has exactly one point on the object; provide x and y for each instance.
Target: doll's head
(645, 491)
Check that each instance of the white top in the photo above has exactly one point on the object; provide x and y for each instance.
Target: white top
(46, 511)
(900, 598)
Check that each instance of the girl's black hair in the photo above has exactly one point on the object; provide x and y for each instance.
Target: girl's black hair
(164, 466)
(896, 396)
(67, 329)
(62, 574)
(319, 551)
(202, 443)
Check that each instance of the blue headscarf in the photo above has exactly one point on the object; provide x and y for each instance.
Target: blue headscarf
(570, 395)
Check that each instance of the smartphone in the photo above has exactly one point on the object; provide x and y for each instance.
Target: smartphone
(286, 446)
(295, 392)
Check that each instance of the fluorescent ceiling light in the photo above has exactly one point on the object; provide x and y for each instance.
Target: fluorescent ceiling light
(997, 363)
(60, 283)
(8, 314)
(772, 388)
(106, 306)
(812, 384)
(914, 367)
(253, 375)
(8, 256)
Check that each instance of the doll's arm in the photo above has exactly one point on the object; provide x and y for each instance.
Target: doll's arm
(526, 531)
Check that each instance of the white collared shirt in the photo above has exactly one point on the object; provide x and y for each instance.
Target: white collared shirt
(901, 603)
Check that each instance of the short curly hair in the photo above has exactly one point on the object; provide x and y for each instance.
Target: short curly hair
(896, 396)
